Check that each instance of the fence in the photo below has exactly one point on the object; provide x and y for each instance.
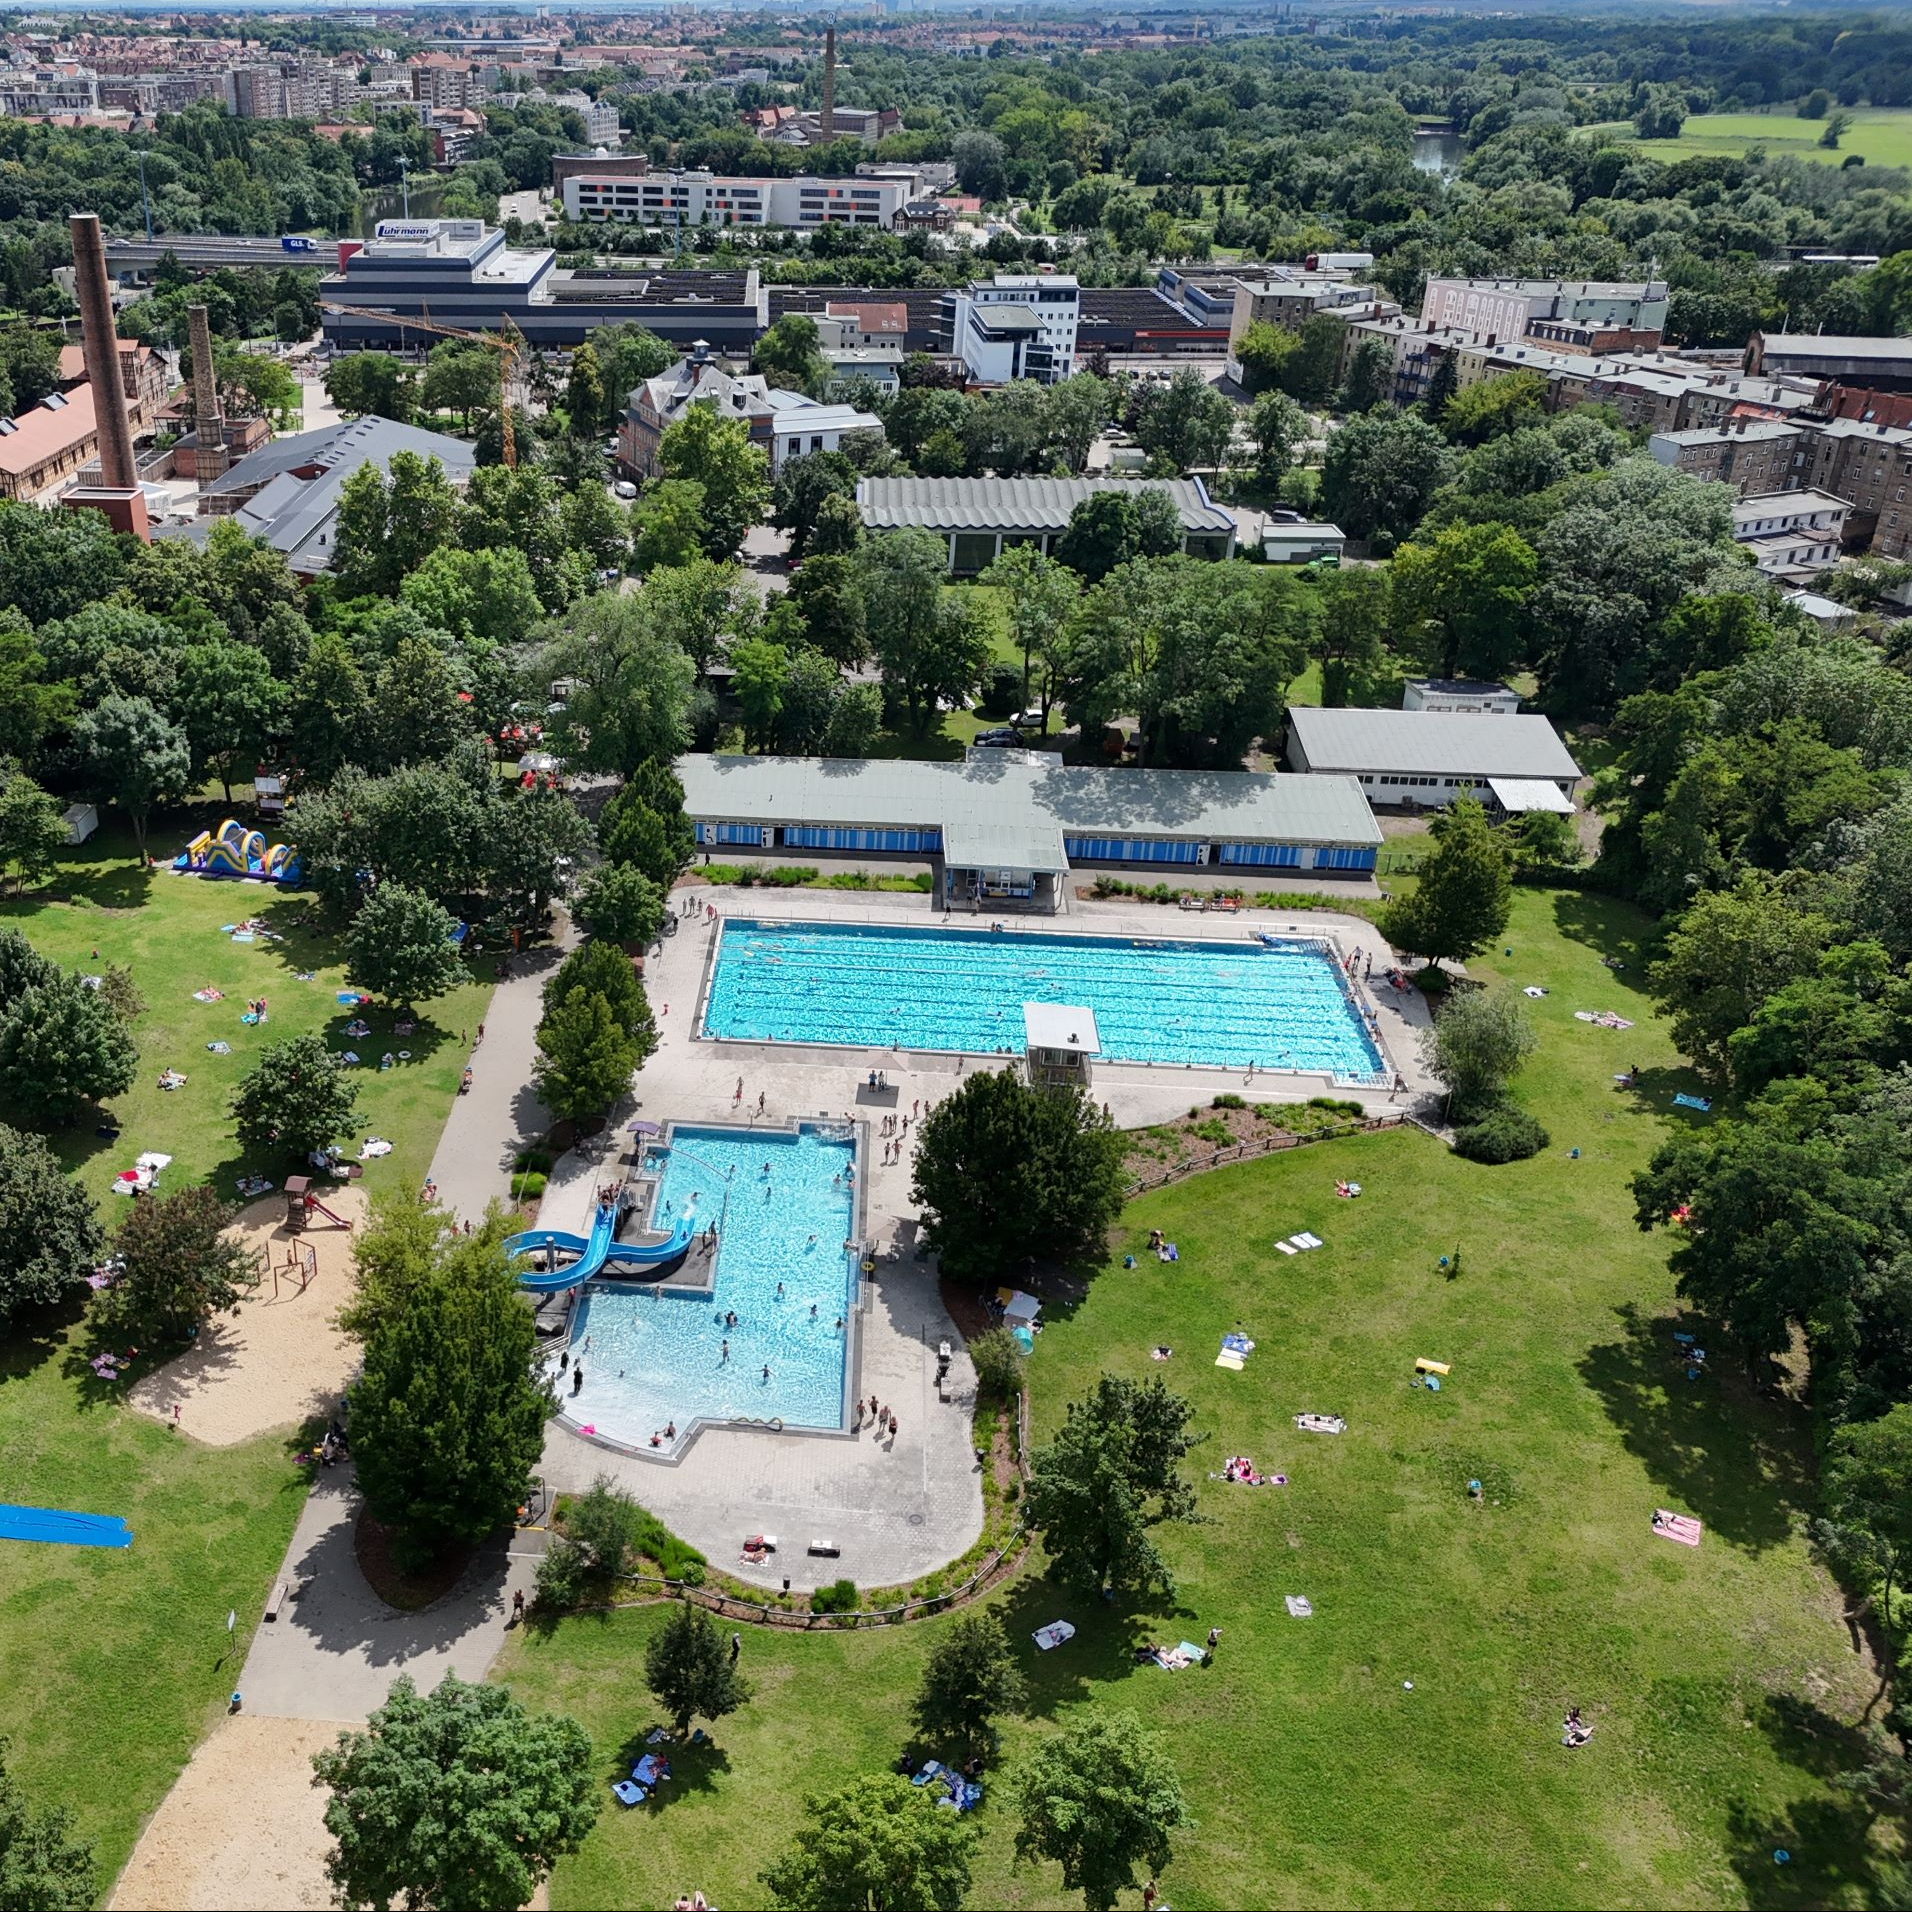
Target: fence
(730, 1606)
(1260, 1145)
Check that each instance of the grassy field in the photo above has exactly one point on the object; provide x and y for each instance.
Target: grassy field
(1721, 1682)
(102, 908)
(115, 1663)
(1880, 135)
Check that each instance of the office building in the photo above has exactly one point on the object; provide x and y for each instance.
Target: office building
(1016, 325)
(1426, 758)
(711, 199)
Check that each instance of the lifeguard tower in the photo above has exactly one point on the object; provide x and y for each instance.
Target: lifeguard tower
(1059, 1044)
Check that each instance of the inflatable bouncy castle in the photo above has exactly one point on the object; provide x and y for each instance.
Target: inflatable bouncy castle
(233, 850)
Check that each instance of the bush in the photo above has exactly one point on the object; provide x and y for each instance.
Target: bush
(528, 1185)
(789, 876)
(1002, 690)
(1506, 1133)
(1335, 1106)
(998, 1359)
(838, 1597)
(1228, 1101)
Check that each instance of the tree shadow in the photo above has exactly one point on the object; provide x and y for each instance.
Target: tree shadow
(1805, 1735)
(36, 1336)
(695, 1766)
(1103, 1651)
(1830, 1856)
(1709, 1444)
(1651, 1092)
(1618, 932)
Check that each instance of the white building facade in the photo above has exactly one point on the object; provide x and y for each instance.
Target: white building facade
(712, 199)
(1016, 325)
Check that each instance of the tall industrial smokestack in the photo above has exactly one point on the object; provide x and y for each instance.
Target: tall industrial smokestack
(118, 493)
(209, 430)
(827, 129)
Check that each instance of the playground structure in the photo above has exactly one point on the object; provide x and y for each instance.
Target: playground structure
(233, 850)
(591, 1257)
(301, 1205)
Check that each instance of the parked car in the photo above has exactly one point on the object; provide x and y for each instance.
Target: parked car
(1001, 738)
(1030, 719)
(624, 489)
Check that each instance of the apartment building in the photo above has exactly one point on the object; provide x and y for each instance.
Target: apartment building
(1791, 534)
(1287, 296)
(713, 199)
(1753, 455)
(442, 81)
(1586, 315)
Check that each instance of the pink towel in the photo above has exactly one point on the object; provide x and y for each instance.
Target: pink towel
(1681, 1527)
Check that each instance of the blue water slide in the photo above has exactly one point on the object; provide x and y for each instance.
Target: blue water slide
(589, 1257)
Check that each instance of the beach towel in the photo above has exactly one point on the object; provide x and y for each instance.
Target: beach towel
(1287, 1248)
(209, 995)
(650, 1769)
(657, 1736)
(1533, 990)
(1194, 1654)
(1239, 1343)
(930, 1769)
(351, 1055)
(220, 1048)
(374, 1147)
(351, 998)
(1306, 1240)
(629, 1793)
(1228, 1358)
(1298, 1604)
(244, 936)
(1703, 1103)
(1321, 1423)
(250, 1185)
(1053, 1634)
(1681, 1527)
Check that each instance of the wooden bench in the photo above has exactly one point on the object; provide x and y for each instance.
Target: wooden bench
(279, 1596)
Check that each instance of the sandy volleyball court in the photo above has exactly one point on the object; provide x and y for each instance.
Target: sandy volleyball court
(243, 1826)
(276, 1358)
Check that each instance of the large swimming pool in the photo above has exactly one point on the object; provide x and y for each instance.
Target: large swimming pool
(1227, 1003)
(783, 1205)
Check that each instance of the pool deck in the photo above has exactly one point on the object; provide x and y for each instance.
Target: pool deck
(901, 1508)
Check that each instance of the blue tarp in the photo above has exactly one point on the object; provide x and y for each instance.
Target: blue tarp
(73, 1530)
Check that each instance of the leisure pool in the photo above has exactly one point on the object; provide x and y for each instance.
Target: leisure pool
(783, 1206)
(1225, 1003)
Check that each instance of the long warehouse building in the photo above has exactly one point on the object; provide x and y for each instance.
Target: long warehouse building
(1009, 827)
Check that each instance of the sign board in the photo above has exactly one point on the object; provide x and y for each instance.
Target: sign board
(407, 229)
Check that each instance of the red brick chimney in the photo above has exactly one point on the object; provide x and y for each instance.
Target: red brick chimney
(118, 493)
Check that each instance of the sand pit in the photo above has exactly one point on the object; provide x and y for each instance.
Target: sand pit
(276, 1358)
(243, 1826)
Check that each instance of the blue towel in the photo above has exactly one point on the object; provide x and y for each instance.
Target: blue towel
(628, 1792)
(1700, 1102)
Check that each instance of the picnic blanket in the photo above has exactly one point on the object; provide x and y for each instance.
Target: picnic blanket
(1602, 1018)
(1053, 1634)
(1321, 1424)
(1298, 1604)
(1681, 1527)
(374, 1146)
(254, 1185)
(209, 994)
(1703, 1103)
(1228, 1358)
(1238, 1344)
(930, 1768)
(650, 1769)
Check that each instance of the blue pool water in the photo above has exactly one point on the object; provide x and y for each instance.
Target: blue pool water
(657, 1357)
(1223, 1003)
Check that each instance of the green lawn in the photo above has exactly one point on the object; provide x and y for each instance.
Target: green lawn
(102, 908)
(1880, 135)
(114, 1664)
(1721, 1682)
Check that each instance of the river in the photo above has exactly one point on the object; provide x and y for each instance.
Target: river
(387, 202)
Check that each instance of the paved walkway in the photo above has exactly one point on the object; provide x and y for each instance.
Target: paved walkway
(501, 1115)
(334, 1652)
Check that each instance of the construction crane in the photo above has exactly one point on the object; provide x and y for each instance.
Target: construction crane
(507, 343)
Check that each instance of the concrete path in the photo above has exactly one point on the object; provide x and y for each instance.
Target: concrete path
(334, 1652)
(501, 1115)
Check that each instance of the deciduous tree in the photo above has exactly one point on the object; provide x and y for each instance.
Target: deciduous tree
(969, 1681)
(878, 1844)
(134, 756)
(400, 947)
(454, 1799)
(1005, 1171)
(295, 1099)
(1099, 1800)
(689, 1670)
(50, 1235)
(1465, 893)
(177, 1269)
(1113, 1473)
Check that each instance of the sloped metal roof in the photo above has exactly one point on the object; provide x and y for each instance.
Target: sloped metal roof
(1017, 504)
(1434, 743)
(988, 805)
